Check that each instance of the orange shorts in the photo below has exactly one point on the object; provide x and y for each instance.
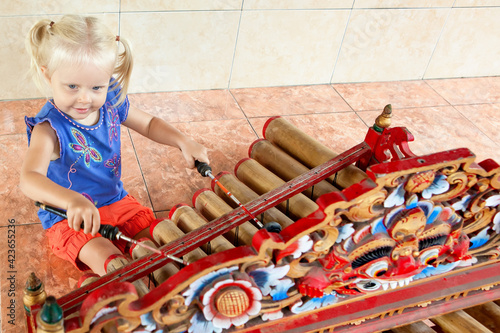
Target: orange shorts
(127, 214)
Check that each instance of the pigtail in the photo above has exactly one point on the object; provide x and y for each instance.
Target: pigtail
(35, 44)
(123, 69)
(79, 40)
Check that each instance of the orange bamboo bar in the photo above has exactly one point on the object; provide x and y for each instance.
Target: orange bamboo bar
(262, 181)
(166, 231)
(286, 167)
(161, 274)
(307, 150)
(245, 195)
(211, 206)
(188, 220)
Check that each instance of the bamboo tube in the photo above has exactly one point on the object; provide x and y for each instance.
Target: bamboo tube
(162, 273)
(245, 195)
(211, 207)
(261, 180)
(307, 150)
(86, 279)
(165, 231)
(115, 262)
(286, 167)
(188, 220)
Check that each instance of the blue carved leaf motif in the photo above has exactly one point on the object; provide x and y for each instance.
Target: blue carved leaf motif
(438, 186)
(396, 198)
(440, 269)
(269, 280)
(480, 239)
(200, 324)
(314, 303)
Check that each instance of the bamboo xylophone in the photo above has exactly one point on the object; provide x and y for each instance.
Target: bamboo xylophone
(372, 239)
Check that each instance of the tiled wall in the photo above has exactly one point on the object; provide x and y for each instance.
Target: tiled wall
(219, 44)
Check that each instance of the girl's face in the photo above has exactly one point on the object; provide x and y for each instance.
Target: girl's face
(79, 91)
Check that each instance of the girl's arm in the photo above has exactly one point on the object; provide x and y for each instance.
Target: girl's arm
(35, 184)
(160, 131)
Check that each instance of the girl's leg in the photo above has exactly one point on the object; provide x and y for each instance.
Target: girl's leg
(95, 253)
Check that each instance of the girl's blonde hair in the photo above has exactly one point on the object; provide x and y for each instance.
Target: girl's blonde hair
(78, 40)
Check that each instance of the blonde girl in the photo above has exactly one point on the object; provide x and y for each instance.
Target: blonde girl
(73, 161)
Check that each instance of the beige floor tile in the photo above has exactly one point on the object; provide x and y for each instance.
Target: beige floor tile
(268, 43)
(486, 117)
(199, 46)
(14, 204)
(12, 115)
(400, 94)
(32, 254)
(402, 4)
(468, 45)
(259, 102)
(132, 178)
(388, 44)
(297, 4)
(189, 105)
(168, 180)
(469, 90)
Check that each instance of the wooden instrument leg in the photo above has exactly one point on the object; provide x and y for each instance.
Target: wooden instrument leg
(487, 314)
(459, 321)
(417, 327)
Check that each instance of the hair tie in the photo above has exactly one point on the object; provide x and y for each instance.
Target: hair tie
(51, 24)
(117, 38)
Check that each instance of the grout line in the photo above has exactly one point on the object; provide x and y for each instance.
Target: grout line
(235, 46)
(140, 168)
(249, 10)
(342, 42)
(243, 111)
(472, 124)
(444, 99)
(120, 18)
(437, 42)
(349, 105)
(359, 117)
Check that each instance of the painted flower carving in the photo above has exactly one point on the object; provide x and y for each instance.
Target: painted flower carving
(427, 184)
(230, 300)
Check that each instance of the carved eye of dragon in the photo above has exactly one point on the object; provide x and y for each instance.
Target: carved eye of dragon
(431, 240)
(378, 268)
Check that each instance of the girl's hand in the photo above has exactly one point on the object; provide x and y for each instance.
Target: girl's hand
(81, 210)
(192, 150)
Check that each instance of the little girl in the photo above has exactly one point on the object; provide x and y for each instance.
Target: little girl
(73, 159)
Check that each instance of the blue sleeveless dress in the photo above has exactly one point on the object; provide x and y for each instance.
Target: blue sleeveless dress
(90, 156)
